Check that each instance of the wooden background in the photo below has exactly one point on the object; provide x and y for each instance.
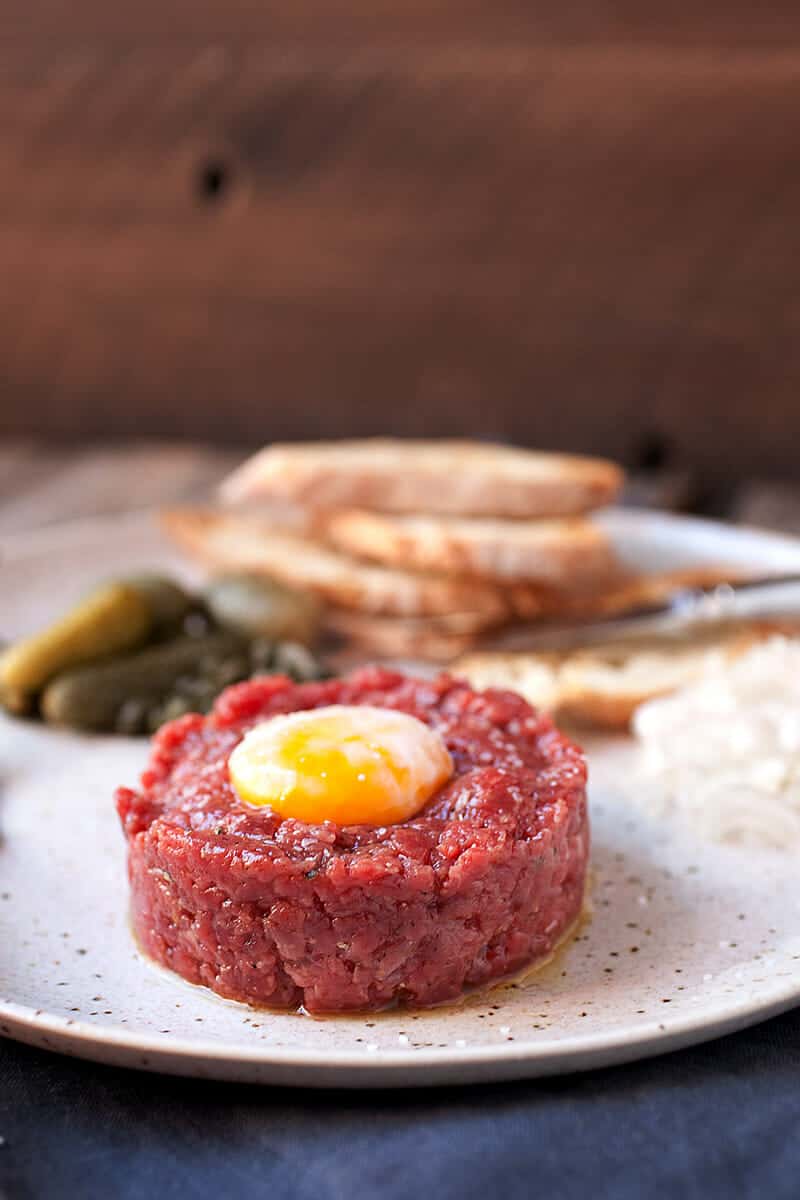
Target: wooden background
(572, 224)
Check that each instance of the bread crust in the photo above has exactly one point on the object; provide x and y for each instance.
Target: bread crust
(614, 597)
(602, 687)
(226, 541)
(420, 638)
(457, 477)
(570, 553)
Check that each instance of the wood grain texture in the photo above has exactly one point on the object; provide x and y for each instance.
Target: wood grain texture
(41, 484)
(590, 246)
(717, 23)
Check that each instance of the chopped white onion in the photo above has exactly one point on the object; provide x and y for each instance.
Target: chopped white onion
(725, 752)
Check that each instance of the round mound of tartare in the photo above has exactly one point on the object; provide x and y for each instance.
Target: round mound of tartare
(482, 882)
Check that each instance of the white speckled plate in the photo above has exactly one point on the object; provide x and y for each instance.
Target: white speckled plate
(686, 941)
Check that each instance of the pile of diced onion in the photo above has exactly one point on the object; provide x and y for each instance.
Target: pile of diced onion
(725, 752)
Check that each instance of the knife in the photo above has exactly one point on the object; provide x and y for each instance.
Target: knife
(686, 611)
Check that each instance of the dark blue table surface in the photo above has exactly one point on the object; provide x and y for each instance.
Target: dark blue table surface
(721, 1120)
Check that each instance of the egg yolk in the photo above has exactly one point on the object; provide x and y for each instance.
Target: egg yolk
(355, 765)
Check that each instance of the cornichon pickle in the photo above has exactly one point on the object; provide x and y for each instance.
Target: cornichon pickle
(259, 607)
(91, 697)
(169, 604)
(113, 619)
(131, 717)
(14, 701)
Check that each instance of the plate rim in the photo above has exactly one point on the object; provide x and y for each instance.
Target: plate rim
(389, 1068)
(437, 1064)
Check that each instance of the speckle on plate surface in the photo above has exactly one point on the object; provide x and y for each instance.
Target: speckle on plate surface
(666, 961)
(684, 964)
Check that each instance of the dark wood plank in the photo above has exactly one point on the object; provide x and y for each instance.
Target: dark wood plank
(427, 22)
(769, 505)
(593, 247)
(55, 484)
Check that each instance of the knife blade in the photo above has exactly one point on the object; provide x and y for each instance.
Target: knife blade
(685, 611)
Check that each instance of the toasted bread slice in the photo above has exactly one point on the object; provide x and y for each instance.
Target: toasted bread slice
(458, 477)
(233, 542)
(534, 676)
(418, 638)
(614, 597)
(641, 591)
(604, 686)
(569, 553)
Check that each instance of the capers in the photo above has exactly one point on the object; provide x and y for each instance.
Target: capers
(231, 670)
(94, 670)
(196, 624)
(256, 606)
(131, 719)
(173, 708)
(154, 718)
(262, 655)
(91, 697)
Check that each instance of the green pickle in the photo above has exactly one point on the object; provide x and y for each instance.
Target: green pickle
(168, 602)
(113, 619)
(92, 698)
(142, 650)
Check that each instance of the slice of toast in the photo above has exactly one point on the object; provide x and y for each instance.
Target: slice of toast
(534, 676)
(604, 686)
(457, 477)
(654, 588)
(572, 553)
(616, 597)
(231, 542)
(414, 638)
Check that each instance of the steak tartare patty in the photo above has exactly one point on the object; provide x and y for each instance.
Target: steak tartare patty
(484, 881)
